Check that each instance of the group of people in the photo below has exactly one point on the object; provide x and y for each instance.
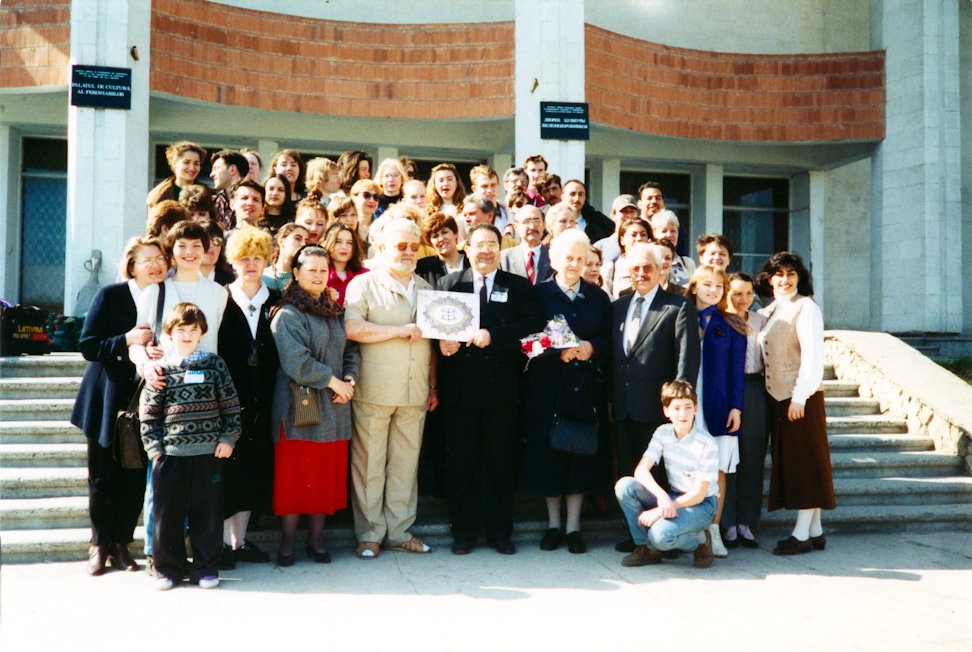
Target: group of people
(271, 332)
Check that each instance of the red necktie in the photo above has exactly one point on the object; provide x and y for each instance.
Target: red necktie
(531, 270)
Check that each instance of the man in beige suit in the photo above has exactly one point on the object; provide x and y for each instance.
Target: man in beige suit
(395, 389)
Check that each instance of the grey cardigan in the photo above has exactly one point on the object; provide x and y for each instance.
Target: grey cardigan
(312, 349)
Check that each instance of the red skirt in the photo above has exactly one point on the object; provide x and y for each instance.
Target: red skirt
(309, 477)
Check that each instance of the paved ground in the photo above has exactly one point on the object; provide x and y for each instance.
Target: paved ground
(865, 592)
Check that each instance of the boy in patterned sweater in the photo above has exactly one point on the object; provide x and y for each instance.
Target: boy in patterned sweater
(188, 428)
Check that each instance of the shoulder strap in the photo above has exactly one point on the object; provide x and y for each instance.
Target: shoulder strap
(157, 331)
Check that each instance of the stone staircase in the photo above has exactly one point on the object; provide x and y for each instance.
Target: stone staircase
(885, 478)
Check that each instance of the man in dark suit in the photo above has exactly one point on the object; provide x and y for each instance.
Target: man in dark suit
(594, 223)
(656, 340)
(530, 258)
(479, 386)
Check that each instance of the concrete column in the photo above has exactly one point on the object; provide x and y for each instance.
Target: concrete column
(713, 201)
(549, 40)
(10, 208)
(605, 184)
(266, 149)
(383, 153)
(917, 206)
(109, 152)
(818, 197)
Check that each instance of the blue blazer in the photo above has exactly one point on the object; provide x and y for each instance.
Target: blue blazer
(723, 373)
(109, 381)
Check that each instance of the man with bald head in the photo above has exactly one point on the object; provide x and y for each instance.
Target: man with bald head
(656, 340)
(530, 258)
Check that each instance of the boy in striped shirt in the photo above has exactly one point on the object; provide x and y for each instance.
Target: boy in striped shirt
(678, 519)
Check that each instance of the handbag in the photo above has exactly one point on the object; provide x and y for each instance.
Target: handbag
(571, 436)
(304, 407)
(126, 442)
(126, 439)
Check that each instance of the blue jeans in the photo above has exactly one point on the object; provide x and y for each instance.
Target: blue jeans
(147, 512)
(679, 533)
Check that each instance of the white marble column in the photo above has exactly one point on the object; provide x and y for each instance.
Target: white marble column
(108, 152)
(10, 207)
(549, 38)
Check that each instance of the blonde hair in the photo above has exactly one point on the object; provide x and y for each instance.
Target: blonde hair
(706, 272)
(248, 241)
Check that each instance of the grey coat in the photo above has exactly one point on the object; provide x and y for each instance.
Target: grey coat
(312, 349)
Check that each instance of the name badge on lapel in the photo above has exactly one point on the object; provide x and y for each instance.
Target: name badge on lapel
(194, 377)
(499, 295)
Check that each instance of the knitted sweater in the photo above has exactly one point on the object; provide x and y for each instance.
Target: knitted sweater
(194, 411)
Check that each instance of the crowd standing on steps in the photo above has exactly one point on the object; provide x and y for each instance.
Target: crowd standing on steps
(273, 321)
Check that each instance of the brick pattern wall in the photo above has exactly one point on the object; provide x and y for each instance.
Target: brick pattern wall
(35, 38)
(645, 87)
(215, 53)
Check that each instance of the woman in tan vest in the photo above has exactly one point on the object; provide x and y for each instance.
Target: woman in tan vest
(793, 355)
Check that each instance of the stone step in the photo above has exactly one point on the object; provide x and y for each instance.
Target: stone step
(44, 513)
(862, 464)
(47, 432)
(864, 442)
(43, 455)
(840, 388)
(872, 424)
(36, 409)
(43, 482)
(829, 372)
(887, 491)
(37, 366)
(884, 519)
(851, 406)
(39, 388)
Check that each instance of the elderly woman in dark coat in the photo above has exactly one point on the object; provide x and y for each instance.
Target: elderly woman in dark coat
(568, 383)
(114, 493)
(311, 461)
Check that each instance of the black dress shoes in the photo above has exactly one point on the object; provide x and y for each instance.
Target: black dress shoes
(625, 546)
(749, 543)
(505, 547)
(552, 539)
(792, 546)
(575, 543)
(122, 559)
(323, 557)
(97, 560)
(819, 543)
(227, 558)
(285, 561)
(249, 553)
(461, 547)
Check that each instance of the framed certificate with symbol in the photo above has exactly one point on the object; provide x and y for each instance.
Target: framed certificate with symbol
(447, 315)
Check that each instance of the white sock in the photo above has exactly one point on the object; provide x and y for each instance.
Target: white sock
(730, 533)
(746, 533)
(816, 527)
(801, 531)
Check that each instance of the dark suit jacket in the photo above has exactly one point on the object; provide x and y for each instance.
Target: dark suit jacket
(513, 262)
(431, 268)
(667, 348)
(599, 225)
(490, 377)
(109, 380)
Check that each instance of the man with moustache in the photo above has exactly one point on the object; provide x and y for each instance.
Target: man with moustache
(480, 388)
(656, 340)
(530, 258)
(650, 200)
(396, 386)
(477, 209)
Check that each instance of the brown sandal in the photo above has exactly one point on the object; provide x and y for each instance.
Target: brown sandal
(414, 545)
(367, 547)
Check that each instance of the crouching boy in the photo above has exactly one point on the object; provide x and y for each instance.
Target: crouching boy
(188, 428)
(675, 520)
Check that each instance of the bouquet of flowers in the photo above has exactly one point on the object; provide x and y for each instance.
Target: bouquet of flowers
(555, 335)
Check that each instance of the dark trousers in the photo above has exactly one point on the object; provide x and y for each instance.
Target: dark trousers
(190, 486)
(480, 470)
(114, 496)
(744, 488)
(633, 439)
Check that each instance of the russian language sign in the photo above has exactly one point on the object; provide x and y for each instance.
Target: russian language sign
(564, 121)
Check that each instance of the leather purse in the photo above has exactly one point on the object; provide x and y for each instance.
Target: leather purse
(571, 436)
(126, 442)
(304, 407)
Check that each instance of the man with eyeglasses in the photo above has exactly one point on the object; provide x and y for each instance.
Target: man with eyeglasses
(396, 386)
(480, 388)
(530, 258)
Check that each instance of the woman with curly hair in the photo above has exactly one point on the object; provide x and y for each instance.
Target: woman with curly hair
(185, 161)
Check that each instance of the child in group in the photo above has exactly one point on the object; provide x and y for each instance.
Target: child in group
(721, 376)
(188, 428)
(678, 519)
(744, 492)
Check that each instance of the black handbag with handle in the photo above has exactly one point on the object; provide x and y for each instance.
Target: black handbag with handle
(572, 436)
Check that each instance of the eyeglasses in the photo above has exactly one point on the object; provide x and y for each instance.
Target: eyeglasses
(158, 260)
(368, 195)
(491, 246)
(254, 358)
(531, 220)
(402, 246)
(216, 242)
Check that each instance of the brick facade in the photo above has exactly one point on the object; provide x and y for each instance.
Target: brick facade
(34, 43)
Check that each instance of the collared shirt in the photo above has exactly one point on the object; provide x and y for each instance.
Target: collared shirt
(571, 291)
(478, 282)
(629, 335)
(693, 458)
(250, 307)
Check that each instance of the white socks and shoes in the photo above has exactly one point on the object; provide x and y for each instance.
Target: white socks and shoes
(718, 548)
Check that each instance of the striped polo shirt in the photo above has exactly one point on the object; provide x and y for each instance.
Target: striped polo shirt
(693, 458)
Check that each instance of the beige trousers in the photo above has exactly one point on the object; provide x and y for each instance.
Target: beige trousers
(385, 445)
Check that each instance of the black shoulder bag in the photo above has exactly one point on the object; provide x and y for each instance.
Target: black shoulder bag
(569, 436)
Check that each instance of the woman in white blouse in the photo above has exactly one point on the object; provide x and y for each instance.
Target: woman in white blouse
(793, 357)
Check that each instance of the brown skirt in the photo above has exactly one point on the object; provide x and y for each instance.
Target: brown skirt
(801, 477)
